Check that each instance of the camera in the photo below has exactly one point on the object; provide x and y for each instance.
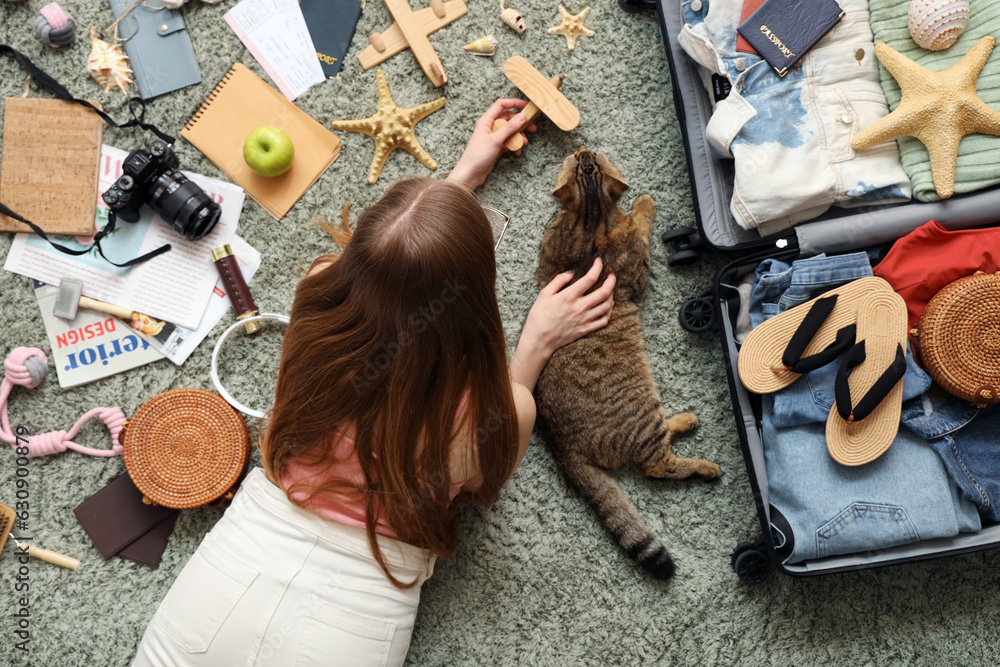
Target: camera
(150, 176)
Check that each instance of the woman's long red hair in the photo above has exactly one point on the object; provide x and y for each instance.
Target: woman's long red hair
(389, 339)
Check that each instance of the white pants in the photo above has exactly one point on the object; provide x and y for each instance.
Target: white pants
(272, 584)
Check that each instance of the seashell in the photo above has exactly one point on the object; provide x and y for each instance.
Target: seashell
(54, 26)
(484, 46)
(937, 24)
(174, 4)
(513, 18)
(107, 64)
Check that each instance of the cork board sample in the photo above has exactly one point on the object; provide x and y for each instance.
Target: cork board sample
(48, 167)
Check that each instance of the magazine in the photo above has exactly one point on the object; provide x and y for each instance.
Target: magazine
(175, 286)
(93, 346)
(177, 343)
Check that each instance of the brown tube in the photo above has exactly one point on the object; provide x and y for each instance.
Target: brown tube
(239, 293)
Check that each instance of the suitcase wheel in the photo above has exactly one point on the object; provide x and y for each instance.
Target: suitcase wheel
(750, 563)
(686, 241)
(633, 6)
(697, 315)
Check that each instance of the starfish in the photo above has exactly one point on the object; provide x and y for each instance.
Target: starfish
(938, 108)
(572, 26)
(392, 128)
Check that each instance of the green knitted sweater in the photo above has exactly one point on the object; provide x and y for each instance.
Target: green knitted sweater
(978, 163)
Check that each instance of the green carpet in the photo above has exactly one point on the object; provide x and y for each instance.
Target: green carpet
(536, 580)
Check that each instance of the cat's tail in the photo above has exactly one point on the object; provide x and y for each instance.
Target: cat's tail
(620, 518)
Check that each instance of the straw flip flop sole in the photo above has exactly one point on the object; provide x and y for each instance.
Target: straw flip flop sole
(882, 325)
(759, 362)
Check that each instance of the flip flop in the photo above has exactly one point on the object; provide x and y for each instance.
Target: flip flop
(803, 338)
(860, 432)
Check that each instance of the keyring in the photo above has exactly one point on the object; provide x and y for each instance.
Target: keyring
(215, 361)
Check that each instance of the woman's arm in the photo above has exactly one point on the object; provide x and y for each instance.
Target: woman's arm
(485, 146)
(559, 316)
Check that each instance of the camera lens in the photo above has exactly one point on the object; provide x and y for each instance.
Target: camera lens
(183, 205)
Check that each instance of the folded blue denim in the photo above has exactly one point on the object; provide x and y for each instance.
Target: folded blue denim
(826, 508)
(966, 439)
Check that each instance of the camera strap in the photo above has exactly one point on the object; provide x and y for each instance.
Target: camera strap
(59, 91)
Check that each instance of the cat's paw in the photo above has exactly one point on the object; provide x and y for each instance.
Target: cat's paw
(644, 205)
(708, 470)
(683, 422)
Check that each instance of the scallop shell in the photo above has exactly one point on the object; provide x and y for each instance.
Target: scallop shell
(484, 46)
(107, 64)
(937, 24)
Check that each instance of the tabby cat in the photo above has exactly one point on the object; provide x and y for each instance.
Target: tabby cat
(596, 397)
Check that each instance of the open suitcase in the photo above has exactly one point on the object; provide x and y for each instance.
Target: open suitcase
(837, 231)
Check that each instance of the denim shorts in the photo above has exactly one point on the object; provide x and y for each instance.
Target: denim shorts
(820, 507)
(966, 439)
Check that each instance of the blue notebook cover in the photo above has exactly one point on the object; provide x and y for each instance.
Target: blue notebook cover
(331, 24)
(158, 47)
(783, 30)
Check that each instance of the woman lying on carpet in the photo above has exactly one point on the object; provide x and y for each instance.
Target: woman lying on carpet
(394, 397)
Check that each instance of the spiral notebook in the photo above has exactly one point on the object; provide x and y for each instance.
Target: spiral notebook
(240, 104)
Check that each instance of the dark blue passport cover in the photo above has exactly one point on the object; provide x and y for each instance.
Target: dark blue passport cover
(331, 25)
(783, 30)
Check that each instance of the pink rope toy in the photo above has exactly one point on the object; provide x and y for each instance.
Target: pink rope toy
(28, 366)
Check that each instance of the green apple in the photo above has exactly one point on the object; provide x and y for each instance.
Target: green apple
(268, 151)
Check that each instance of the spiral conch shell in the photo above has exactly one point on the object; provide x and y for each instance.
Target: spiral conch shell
(484, 46)
(937, 24)
(107, 64)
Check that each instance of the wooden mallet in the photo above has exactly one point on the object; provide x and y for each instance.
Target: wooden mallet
(544, 97)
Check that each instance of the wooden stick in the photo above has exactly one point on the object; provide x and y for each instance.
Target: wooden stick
(516, 141)
(51, 556)
(393, 41)
(110, 309)
(421, 46)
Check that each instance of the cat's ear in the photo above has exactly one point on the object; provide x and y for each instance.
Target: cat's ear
(615, 183)
(563, 189)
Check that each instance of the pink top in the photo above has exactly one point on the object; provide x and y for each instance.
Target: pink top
(349, 471)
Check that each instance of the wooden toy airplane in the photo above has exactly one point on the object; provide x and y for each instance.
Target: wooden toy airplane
(544, 98)
(410, 32)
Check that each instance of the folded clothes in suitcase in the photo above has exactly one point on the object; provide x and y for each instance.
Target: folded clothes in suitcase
(934, 493)
(712, 176)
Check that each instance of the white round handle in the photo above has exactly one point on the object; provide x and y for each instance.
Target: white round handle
(215, 361)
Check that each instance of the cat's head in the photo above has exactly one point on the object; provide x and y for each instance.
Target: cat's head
(588, 177)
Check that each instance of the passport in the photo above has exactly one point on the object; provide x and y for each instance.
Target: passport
(783, 30)
(749, 7)
(331, 25)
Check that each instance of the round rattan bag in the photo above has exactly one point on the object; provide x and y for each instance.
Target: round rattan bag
(186, 448)
(959, 335)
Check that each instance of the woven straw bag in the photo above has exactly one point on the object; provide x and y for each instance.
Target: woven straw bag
(186, 448)
(959, 338)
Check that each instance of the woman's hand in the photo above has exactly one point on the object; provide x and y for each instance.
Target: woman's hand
(561, 314)
(486, 146)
